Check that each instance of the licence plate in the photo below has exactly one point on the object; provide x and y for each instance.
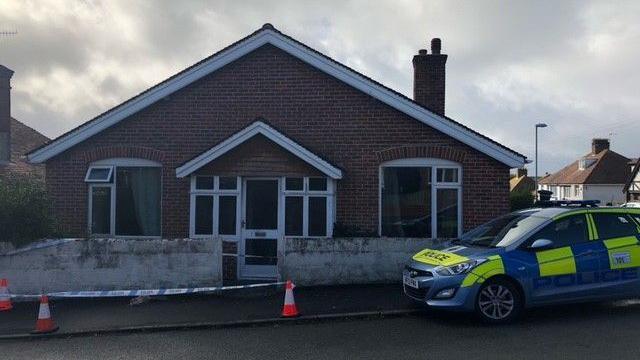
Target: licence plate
(409, 281)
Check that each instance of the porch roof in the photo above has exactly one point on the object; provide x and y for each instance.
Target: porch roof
(249, 132)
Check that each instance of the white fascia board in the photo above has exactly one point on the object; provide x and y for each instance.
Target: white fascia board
(247, 133)
(310, 57)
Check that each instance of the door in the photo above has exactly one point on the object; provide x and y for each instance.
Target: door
(259, 244)
(570, 269)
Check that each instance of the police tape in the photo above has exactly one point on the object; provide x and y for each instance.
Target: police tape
(39, 245)
(138, 293)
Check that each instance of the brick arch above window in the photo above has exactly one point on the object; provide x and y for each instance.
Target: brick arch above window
(420, 151)
(138, 152)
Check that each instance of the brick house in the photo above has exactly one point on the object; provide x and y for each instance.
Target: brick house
(269, 139)
(16, 138)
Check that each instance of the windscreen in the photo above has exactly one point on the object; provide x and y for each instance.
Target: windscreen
(503, 231)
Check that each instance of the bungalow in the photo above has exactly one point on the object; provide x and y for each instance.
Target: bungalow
(269, 139)
(598, 175)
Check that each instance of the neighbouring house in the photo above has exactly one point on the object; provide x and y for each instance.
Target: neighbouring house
(16, 138)
(632, 186)
(269, 140)
(520, 182)
(598, 175)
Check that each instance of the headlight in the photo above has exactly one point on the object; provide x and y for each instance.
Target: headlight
(457, 269)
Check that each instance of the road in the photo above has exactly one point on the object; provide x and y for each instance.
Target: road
(594, 331)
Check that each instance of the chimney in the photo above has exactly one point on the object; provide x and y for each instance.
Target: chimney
(522, 172)
(5, 114)
(598, 145)
(429, 77)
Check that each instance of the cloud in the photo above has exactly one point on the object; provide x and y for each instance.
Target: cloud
(571, 64)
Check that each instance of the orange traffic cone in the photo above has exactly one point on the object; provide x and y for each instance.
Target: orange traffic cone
(289, 309)
(5, 297)
(45, 323)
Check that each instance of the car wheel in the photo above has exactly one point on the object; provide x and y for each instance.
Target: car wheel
(498, 302)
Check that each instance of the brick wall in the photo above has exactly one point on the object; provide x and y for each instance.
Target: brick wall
(335, 121)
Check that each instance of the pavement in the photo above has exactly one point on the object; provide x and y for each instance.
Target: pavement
(241, 307)
(583, 331)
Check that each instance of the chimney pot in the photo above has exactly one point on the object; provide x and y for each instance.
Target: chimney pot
(422, 52)
(436, 46)
(522, 172)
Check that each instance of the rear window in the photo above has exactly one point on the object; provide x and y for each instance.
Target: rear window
(614, 225)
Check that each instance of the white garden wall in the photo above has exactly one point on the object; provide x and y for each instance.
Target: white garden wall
(110, 264)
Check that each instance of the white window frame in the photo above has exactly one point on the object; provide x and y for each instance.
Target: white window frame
(434, 164)
(305, 193)
(91, 168)
(216, 193)
(114, 163)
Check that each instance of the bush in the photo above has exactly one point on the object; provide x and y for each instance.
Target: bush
(24, 210)
(520, 200)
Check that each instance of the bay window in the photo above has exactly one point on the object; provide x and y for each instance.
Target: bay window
(124, 197)
(420, 198)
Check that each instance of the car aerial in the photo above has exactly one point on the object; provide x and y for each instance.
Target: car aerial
(530, 258)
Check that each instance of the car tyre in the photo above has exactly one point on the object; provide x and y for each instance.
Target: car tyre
(499, 301)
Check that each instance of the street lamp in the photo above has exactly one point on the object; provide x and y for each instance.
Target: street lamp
(538, 125)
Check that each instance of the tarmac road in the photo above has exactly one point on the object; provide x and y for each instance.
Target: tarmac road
(591, 331)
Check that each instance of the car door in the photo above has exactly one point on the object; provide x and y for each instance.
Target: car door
(620, 260)
(567, 270)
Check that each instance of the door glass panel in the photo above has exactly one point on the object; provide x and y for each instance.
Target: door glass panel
(204, 215)
(317, 216)
(262, 204)
(293, 216)
(261, 252)
(101, 210)
(227, 215)
(447, 213)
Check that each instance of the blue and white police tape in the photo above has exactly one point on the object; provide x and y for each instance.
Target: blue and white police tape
(147, 292)
(39, 245)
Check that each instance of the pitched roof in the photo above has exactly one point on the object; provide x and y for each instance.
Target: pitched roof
(518, 183)
(632, 175)
(249, 132)
(608, 167)
(23, 139)
(269, 35)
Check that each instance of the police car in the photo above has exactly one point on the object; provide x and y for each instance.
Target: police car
(530, 258)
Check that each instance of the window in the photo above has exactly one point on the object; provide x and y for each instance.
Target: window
(214, 206)
(308, 203)
(127, 204)
(447, 175)
(566, 231)
(99, 174)
(612, 225)
(420, 198)
(101, 210)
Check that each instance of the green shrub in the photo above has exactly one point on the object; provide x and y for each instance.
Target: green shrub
(24, 210)
(520, 200)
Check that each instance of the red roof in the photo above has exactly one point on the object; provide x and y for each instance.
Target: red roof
(607, 167)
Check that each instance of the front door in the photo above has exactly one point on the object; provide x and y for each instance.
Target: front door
(259, 244)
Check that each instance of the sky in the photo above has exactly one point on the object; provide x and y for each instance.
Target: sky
(570, 64)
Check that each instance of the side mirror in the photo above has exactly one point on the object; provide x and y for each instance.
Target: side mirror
(541, 244)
